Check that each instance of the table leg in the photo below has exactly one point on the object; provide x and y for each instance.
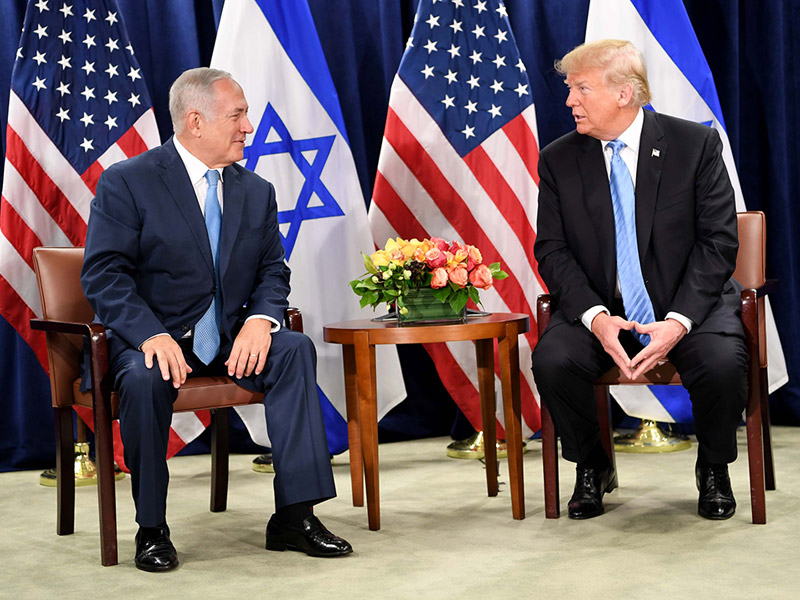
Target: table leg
(368, 422)
(484, 352)
(509, 374)
(353, 427)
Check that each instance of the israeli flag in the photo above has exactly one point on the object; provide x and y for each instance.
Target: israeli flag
(682, 85)
(300, 144)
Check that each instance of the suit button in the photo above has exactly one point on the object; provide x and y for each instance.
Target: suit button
(184, 328)
(213, 290)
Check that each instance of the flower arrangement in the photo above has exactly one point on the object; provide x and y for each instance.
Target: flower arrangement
(454, 271)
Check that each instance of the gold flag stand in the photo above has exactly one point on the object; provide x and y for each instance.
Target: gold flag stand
(472, 448)
(649, 438)
(85, 470)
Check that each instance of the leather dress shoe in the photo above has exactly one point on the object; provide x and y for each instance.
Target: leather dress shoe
(716, 500)
(590, 485)
(312, 538)
(154, 550)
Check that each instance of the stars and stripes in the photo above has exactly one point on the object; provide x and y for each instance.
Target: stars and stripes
(459, 161)
(77, 105)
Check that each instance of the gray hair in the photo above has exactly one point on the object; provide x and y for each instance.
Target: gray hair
(193, 90)
(621, 61)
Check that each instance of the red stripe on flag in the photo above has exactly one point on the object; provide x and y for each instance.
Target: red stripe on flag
(131, 143)
(453, 207)
(176, 443)
(17, 232)
(19, 316)
(48, 193)
(521, 137)
(395, 210)
(92, 175)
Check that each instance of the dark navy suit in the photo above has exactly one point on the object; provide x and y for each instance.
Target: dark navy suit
(687, 240)
(148, 270)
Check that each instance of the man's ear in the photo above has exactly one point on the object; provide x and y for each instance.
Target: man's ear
(194, 123)
(625, 95)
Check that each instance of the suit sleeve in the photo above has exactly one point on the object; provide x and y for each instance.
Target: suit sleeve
(271, 288)
(712, 259)
(565, 278)
(112, 246)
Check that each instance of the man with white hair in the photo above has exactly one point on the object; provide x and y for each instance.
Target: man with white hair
(637, 242)
(184, 266)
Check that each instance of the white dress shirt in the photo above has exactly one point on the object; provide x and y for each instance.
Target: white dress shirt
(631, 137)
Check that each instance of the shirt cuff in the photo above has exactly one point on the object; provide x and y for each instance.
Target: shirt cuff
(275, 325)
(685, 321)
(588, 316)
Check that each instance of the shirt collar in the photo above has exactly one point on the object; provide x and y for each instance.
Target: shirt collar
(194, 166)
(633, 134)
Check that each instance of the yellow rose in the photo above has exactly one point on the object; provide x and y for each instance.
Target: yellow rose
(379, 259)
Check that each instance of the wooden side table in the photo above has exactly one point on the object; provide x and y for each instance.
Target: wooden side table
(359, 338)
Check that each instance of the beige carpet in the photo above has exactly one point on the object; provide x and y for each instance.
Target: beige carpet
(441, 536)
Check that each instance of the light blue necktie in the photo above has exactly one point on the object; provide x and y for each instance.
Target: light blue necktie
(629, 271)
(206, 332)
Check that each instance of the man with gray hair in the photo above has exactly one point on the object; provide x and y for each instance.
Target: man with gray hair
(184, 266)
(637, 242)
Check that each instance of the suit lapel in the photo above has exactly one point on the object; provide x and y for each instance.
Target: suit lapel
(176, 179)
(652, 152)
(233, 200)
(598, 202)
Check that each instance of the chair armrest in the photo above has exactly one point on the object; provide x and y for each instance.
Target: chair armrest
(293, 319)
(542, 312)
(63, 326)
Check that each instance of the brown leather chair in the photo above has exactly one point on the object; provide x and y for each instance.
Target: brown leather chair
(67, 321)
(750, 272)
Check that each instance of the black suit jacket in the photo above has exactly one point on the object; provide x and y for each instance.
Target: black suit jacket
(685, 224)
(148, 268)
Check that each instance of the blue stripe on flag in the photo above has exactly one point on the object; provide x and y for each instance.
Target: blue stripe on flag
(675, 400)
(294, 27)
(335, 425)
(669, 23)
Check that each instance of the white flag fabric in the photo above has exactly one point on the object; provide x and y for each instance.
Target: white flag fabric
(300, 144)
(682, 85)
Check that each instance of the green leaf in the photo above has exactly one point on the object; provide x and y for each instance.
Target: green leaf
(497, 272)
(458, 301)
(371, 298)
(442, 294)
(474, 295)
(369, 265)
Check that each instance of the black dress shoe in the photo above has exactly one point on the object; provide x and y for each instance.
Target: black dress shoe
(154, 550)
(590, 485)
(312, 538)
(716, 497)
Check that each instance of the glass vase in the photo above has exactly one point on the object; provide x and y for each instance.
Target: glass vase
(423, 308)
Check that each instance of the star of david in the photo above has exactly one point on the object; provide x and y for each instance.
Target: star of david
(312, 172)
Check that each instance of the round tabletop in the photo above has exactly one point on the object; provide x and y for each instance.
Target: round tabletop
(389, 332)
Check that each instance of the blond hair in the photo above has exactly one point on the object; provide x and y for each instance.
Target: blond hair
(621, 61)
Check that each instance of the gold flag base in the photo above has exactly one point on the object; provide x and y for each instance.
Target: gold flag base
(85, 470)
(472, 448)
(649, 438)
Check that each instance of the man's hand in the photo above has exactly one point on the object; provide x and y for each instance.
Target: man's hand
(663, 337)
(606, 328)
(169, 356)
(250, 348)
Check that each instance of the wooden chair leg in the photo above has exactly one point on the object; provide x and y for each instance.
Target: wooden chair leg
(604, 420)
(65, 471)
(106, 491)
(219, 460)
(769, 465)
(755, 442)
(552, 509)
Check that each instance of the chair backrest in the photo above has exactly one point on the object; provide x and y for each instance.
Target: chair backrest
(58, 272)
(751, 266)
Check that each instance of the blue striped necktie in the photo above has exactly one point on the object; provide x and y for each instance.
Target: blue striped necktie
(629, 271)
(206, 332)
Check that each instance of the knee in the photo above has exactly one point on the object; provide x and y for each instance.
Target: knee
(134, 379)
(298, 345)
(726, 366)
(549, 362)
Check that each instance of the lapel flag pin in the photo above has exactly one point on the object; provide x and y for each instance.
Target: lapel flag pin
(656, 152)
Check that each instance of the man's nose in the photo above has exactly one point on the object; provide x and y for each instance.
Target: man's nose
(572, 99)
(247, 126)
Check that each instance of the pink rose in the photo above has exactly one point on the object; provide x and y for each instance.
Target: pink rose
(481, 277)
(455, 246)
(439, 278)
(459, 276)
(439, 243)
(435, 258)
(474, 257)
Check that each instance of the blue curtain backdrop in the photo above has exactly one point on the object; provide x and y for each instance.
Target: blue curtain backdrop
(749, 47)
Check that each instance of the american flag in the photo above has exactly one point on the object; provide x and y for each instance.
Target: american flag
(459, 161)
(78, 104)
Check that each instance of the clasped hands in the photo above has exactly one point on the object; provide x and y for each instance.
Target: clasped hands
(664, 335)
(248, 355)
